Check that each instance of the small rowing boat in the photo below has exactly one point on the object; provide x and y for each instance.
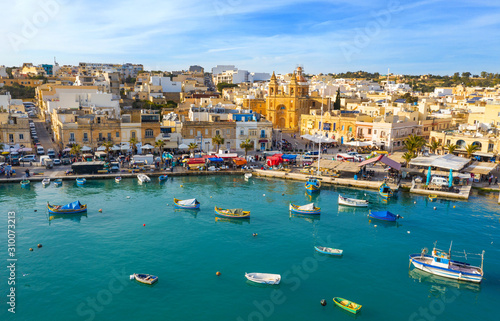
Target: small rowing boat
(118, 179)
(347, 305)
(46, 182)
(143, 178)
(162, 178)
(232, 213)
(190, 204)
(312, 185)
(71, 208)
(384, 216)
(432, 197)
(25, 183)
(352, 202)
(264, 278)
(58, 182)
(328, 250)
(385, 191)
(308, 209)
(81, 181)
(248, 175)
(144, 278)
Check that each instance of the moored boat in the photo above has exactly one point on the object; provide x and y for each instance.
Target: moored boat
(312, 185)
(385, 191)
(81, 181)
(189, 204)
(308, 209)
(46, 182)
(143, 178)
(118, 179)
(347, 305)
(58, 182)
(384, 216)
(432, 197)
(71, 208)
(232, 213)
(144, 278)
(162, 178)
(248, 175)
(328, 250)
(25, 183)
(440, 263)
(352, 202)
(264, 278)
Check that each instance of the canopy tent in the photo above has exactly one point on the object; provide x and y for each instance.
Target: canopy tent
(25, 149)
(196, 161)
(101, 148)
(85, 149)
(357, 143)
(480, 168)
(67, 149)
(183, 146)
(337, 165)
(239, 161)
(448, 161)
(147, 146)
(115, 148)
(289, 157)
(274, 160)
(215, 159)
(383, 159)
(319, 138)
(125, 147)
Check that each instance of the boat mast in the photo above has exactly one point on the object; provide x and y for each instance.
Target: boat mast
(320, 130)
(482, 259)
(449, 251)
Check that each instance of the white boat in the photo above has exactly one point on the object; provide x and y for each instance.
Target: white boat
(328, 250)
(118, 179)
(352, 202)
(248, 175)
(264, 278)
(440, 263)
(46, 181)
(143, 178)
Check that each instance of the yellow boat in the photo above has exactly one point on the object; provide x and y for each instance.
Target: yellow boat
(432, 197)
(232, 213)
(347, 305)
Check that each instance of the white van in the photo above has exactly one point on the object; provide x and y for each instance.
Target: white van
(40, 150)
(439, 181)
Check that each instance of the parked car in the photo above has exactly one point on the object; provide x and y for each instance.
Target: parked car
(28, 158)
(66, 161)
(357, 157)
(51, 153)
(439, 181)
(57, 161)
(40, 150)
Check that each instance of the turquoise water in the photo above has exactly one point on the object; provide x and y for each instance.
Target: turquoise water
(82, 271)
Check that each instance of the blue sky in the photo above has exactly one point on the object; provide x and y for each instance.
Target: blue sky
(429, 36)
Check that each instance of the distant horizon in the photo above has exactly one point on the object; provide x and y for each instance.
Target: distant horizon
(324, 36)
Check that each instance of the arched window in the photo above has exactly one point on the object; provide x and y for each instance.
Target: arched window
(132, 134)
(461, 143)
(148, 133)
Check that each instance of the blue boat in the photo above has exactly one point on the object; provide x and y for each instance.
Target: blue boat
(312, 185)
(162, 178)
(328, 250)
(384, 216)
(308, 209)
(385, 191)
(71, 208)
(25, 183)
(81, 181)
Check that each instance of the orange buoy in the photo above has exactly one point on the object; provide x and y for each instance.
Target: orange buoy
(100, 210)
(39, 245)
(31, 249)
(143, 224)
(217, 273)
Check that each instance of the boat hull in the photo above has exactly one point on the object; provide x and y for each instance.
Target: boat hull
(264, 278)
(186, 207)
(322, 250)
(146, 278)
(118, 179)
(58, 183)
(339, 301)
(295, 210)
(81, 181)
(418, 263)
(311, 188)
(351, 202)
(162, 178)
(53, 210)
(225, 213)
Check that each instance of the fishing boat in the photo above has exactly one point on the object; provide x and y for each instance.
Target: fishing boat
(432, 197)
(46, 182)
(264, 278)
(232, 213)
(312, 185)
(143, 178)
(144, 278)
(384, 216)
(71, 208)
(162, 178)
(118, 179)
(352, 202)
(440, 263)
(347, 305)
(385, 191)
(58, 182)
(248, 175)
(190, 204)
(308, 209)
(328, 250)
(81, 181)
(25, 183)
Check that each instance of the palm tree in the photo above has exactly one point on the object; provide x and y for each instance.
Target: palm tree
(133, 141)
(192, 147)
(1, 145)
(217, 140)
(246, 145)
(451, 148)
(75, 150)
(108, 146)
(414, 144)
(471, 149)
(408, 157)
(160, 143)
(433, 146)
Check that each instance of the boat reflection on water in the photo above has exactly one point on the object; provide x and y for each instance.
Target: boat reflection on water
(73, 217)
(311, 197)
(193, 212)
(232, 220)
(440, 283)
(384, 223)
(309, 218)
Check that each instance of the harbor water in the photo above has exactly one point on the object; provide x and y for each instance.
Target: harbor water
(82, 270)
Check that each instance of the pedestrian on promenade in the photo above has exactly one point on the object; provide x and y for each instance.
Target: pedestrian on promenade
(489, 180)
(496, 180)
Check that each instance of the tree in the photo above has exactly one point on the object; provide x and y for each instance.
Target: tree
(410, 99)
(336, 104)
(466, 75)
(75, 150)
(217, 140)
(192, 147)
(222, 85)
(133, 141)
(414, 144)
(246, 145)
(471, 149)
(451, 148)
(433, 146)
(108, 146)
(408, 157)
(159, 144)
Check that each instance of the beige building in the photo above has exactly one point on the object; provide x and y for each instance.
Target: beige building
(489, 144)
(14, 129)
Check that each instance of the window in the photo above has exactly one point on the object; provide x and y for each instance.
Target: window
(11, 138)
(98, 120)
(206, 132)
(149, 133)
(191, 132)
(228, 132)
(217, 132)
(21, 136)
(262, 133)
(71, 137)
(85, 137)
(242, 132)
(109, 136)
(198, 133)
(117, 134)
(132, 134)
(369, 131)
(100, 136)
(375, 132)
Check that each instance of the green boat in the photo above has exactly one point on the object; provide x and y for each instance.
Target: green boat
(347, 305)
(25, 183)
